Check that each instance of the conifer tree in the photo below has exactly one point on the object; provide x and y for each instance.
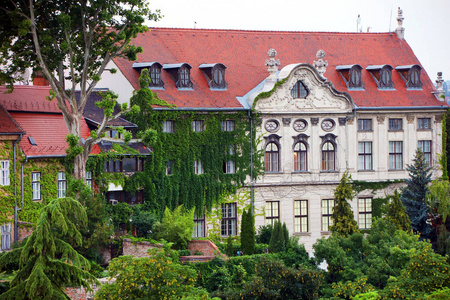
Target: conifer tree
(344, 222)
(397, 213)
(47, 261)
(286, 236)
(277, 243)
(248, 233)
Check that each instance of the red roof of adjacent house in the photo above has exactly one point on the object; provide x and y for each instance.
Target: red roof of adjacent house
(28, 98)
(245, 52)
(7, 123)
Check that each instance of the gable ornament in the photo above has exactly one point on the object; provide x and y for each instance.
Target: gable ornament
(321, 65)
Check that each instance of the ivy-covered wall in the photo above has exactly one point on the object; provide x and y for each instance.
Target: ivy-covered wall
(7, 192)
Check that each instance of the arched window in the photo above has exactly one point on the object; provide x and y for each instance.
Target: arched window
(155, 75)
(299, 91)
(184, 77)
(386, 77)
(272, 157)
(219, 77)
(355, 77)
(414, 77)
(328, 156)
(300, 157)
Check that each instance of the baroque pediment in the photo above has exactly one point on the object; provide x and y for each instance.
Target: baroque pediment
(322, 96)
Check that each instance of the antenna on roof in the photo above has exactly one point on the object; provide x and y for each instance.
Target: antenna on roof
(195, 24)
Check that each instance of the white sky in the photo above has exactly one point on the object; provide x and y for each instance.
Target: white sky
(426, 23)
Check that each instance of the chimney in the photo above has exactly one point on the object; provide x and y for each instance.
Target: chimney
(439, 93)
(400, 31)
(39, 80)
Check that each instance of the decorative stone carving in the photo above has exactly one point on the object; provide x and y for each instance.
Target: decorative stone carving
(380, 119)
(286, 121)
(438, 118)
(272, 63)
(410, 119)
(350, 121)
(321, 65)
(439, 93)
(342, 121)
(400, 31)
(314, 121)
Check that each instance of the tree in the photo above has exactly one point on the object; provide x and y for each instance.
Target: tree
(71, 40)
(277, 242)
(397, 213)
(438, 201)
(343, 219)
(248, 232)
(413, 196)
(47, 261)
(176, 227)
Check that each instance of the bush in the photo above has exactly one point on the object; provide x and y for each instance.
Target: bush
(264, 234)
(143, 221)
(176, 227)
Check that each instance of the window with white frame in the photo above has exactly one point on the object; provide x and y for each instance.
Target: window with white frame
(423, 123)
(301, 216)
(197, 126)
(272, 212)
(227, 125)
(364, 213)
(62, 185)
(168, 126)
(396, 155)
(364, 155)
(4, 172)
(198, 167)
(199, 226)
(229, 219)
(5, 236)
(229, 166)
(89, 179)
(327, 212)
(328, 156)
(300, 157)
(425, 147)
(36, 185)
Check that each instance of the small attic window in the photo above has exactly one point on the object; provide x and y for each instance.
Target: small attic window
(154, 70)
(351, 75)
(299, 91)
(410, 75)
(32, 141)
(215, 75)
(181, 74)
(382, 75)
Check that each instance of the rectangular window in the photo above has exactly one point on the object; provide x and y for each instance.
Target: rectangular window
(62, 184)
(395, 155)
(197, 126)
(425, 147)
(272, 212)
(115, 134)
(169, 167)
(395, 124)
(4, 172)
(327, 212)
(227, 125)
(89, 179)
(364, 124)
(364, 213)
(5, 237)
(199, 226)
(301, 216)
(36, 185)
(228, 226)
(229, 166)
(198, 168)
(168, 126)
(424, 123)
(365, 156)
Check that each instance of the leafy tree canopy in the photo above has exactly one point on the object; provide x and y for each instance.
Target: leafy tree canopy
(176, 227)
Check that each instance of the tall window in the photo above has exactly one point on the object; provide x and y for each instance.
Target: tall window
(364, 124)
(219, 77)
(395, 155)
(36, 185)
(272, 212)
(424, 123)
(199, 226)
(229, 166)
(272, 157)
(228, 219)
(365, 156)
(395, 124)
(89, 179)
(62, 184)
(227, 125)
(198, 167)
(5, 237)
(197, 126)
(4, 172)
(168, 126)
(184, 77)
(328, 156)
(155, 76)
(355, 77)
(299, 91)
(386, 78)
(300, 157)
(425, 147)
(364, 213)
(327, 212)
(301, 215)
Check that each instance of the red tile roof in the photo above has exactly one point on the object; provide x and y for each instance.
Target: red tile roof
(7, 123)
(244, 54)
(49, 131)
(28, 98)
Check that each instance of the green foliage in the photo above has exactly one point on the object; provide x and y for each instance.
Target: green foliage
(248, 233)
(443, 160)
(229, 250)
(277, 242)
(269, 93)
(157, 276)
(176, 227)
(349, 289)
(264, 234)
(120, 214)
(397, 213)
(143, 221)
(441, 294)
(47, 260)
(343, 219)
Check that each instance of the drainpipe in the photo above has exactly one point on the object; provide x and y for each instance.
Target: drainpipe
(251, 163)
(15, 188)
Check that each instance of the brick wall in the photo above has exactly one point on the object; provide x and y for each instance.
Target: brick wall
(79, 293)
(208, 248)
(138, 249)
(24, 230)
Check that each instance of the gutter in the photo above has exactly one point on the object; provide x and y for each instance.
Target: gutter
(204, 109)
(403, 108)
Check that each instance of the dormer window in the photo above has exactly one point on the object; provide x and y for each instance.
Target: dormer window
(154, 70)
(215, 75)
(181, 74)
(410, 75)
(351, 75)
(382, 75)
(299, 91)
